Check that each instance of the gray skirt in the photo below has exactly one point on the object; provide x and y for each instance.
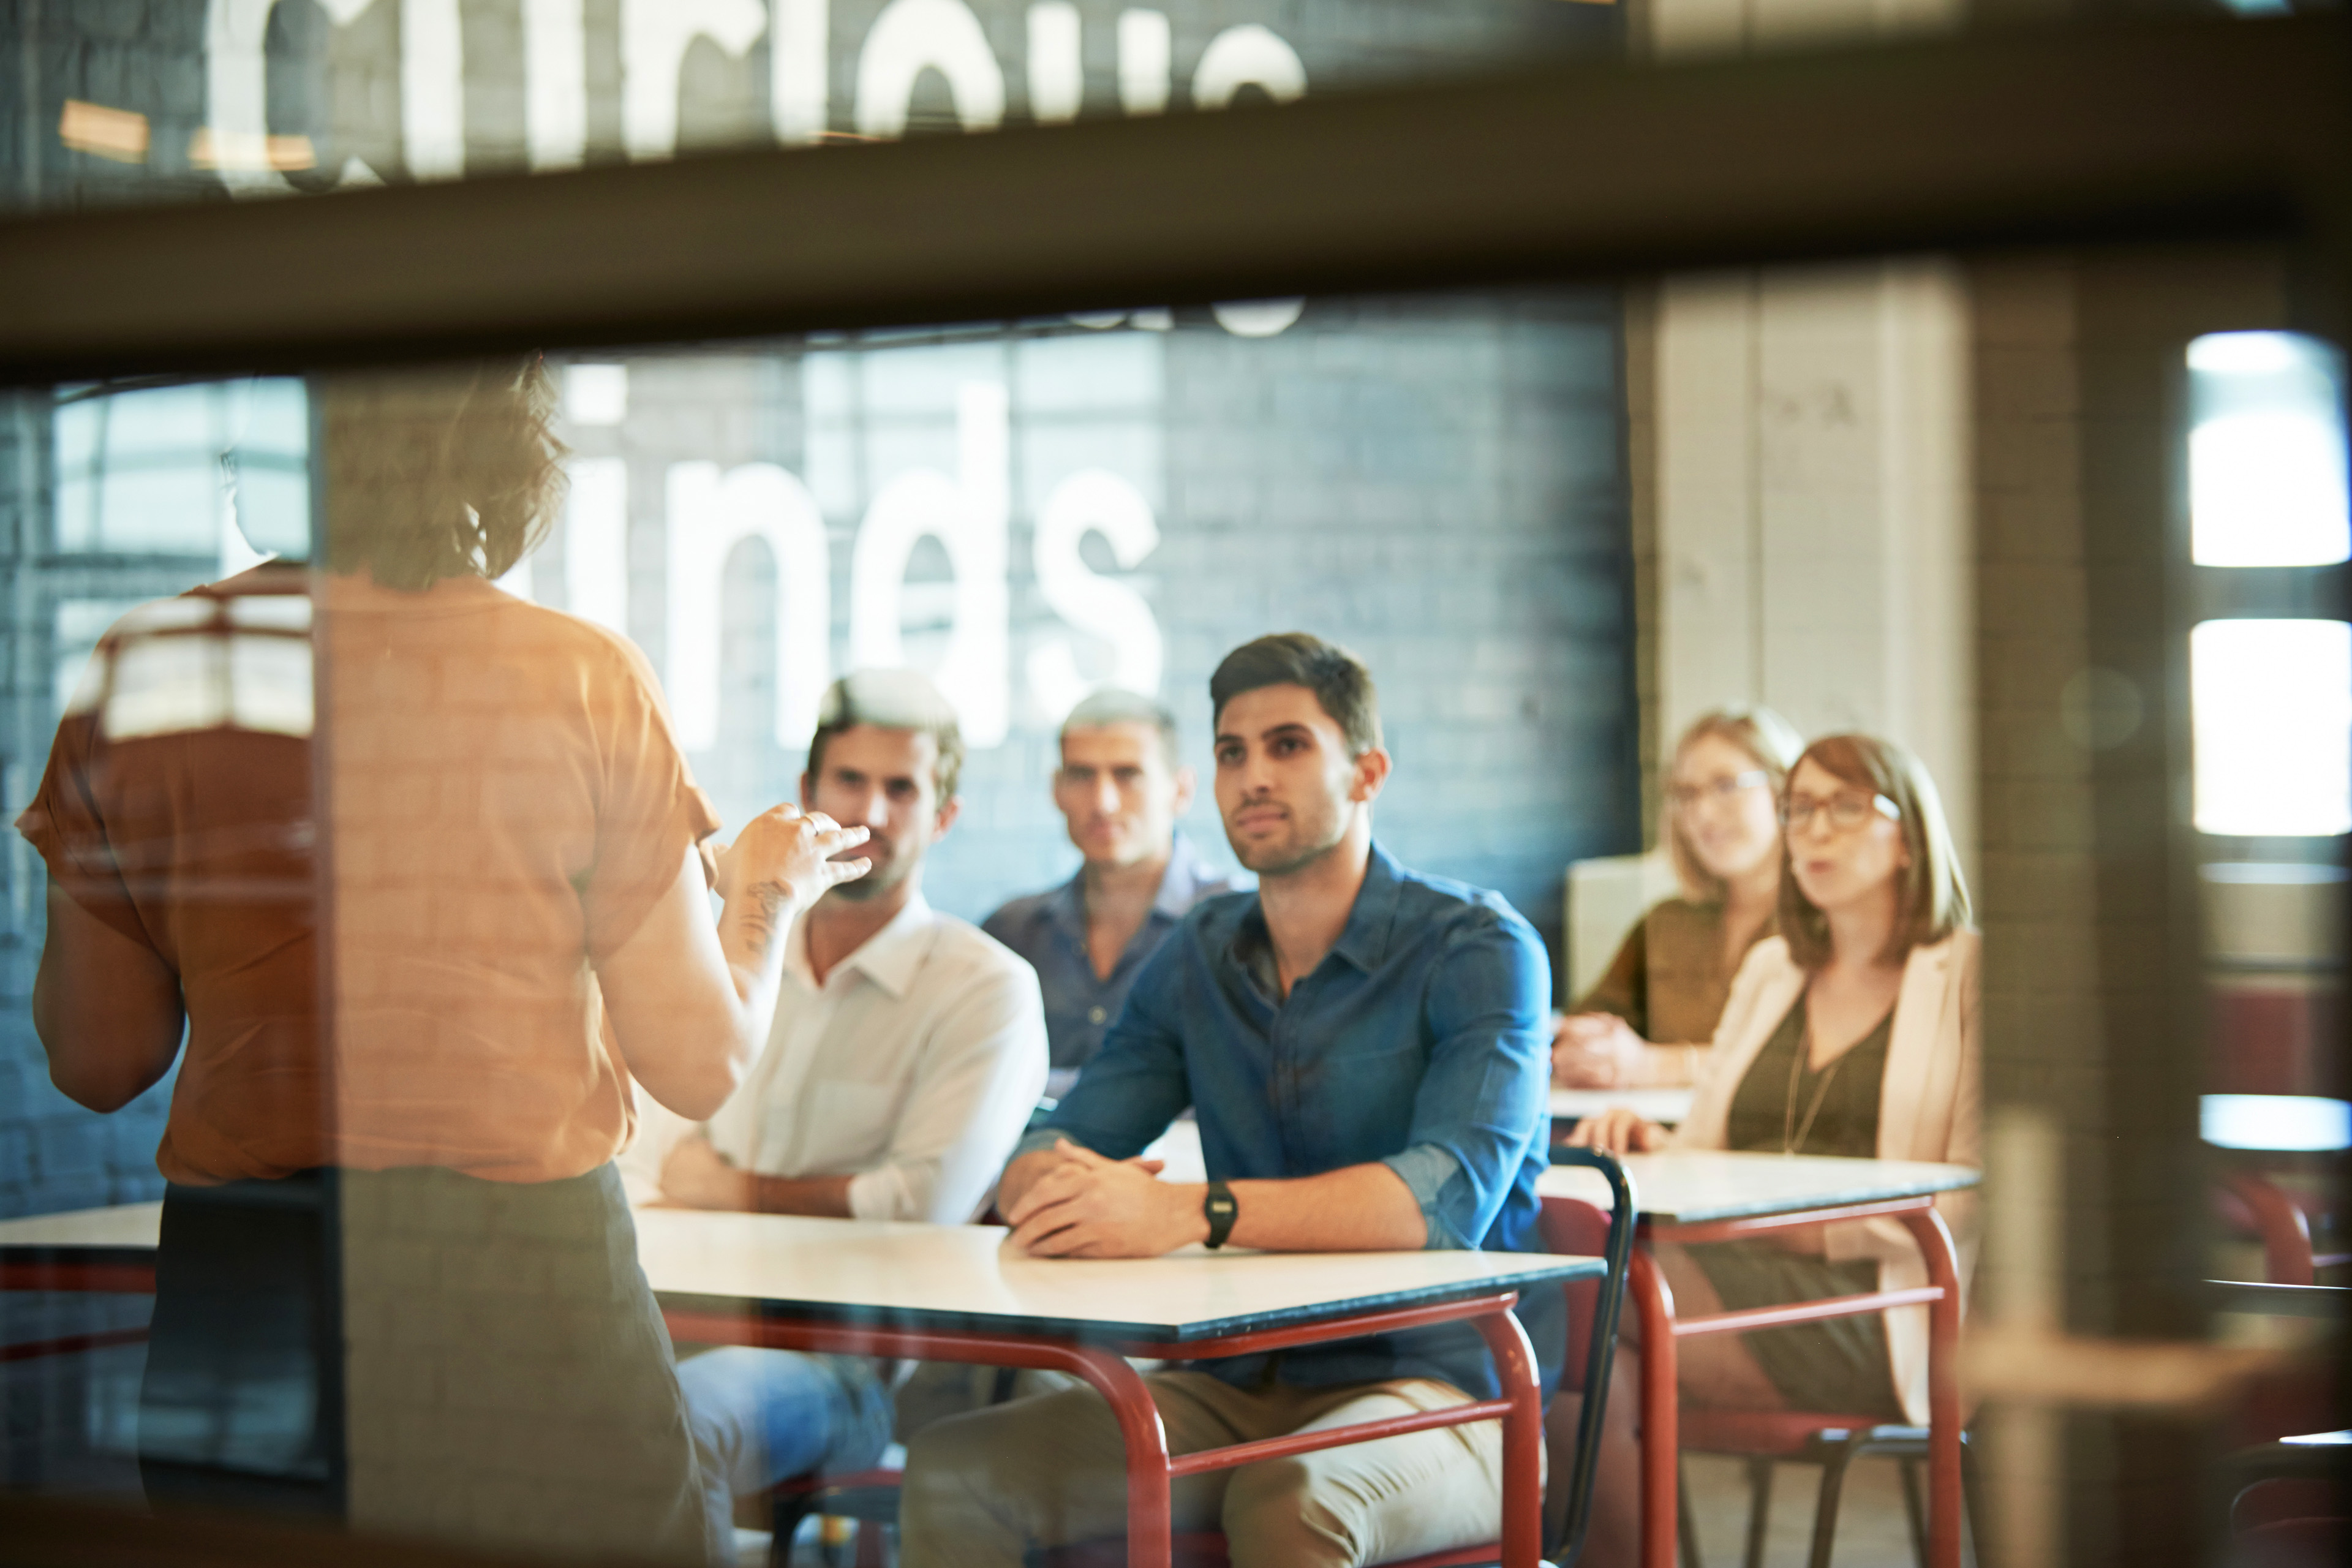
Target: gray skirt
(505, 1381)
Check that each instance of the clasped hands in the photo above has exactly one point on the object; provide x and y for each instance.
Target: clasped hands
(696, 1175)
(1085, 1205)
(1619, 1131)
(1598, 1050)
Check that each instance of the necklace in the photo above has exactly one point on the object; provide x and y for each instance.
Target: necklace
(1792, 1137)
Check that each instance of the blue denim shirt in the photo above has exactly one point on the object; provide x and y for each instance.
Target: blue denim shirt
(1049, 929)
(1420, 1041)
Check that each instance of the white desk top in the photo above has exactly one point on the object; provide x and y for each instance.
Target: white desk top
(962, 1276)
(1694, 1187)
(928, 1276)
(1666, 1106)
(132, 1226)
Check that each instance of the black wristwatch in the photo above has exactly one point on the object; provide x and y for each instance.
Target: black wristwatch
(1221, 1211)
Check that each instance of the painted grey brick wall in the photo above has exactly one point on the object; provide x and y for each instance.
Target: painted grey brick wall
(1437, 484)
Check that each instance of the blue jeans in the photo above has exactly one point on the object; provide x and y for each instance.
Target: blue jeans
(761, 1417)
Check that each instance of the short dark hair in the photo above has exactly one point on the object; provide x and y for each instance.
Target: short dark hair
(1337, 678)
(890, 700)
(1115, 705)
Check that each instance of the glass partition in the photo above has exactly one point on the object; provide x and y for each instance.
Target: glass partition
(252, 98)
(352, 717)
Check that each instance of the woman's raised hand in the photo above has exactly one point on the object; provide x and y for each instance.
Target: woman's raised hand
(790, 856)
(1619, 1131)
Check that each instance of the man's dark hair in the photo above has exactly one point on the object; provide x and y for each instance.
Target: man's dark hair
(1337, 678)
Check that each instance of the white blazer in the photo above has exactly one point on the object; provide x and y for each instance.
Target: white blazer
(1930, 1106)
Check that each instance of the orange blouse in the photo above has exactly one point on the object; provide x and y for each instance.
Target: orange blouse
(504, 801)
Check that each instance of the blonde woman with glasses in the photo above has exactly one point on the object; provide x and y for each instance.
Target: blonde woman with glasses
(1647, 1023)
(1854, 1032)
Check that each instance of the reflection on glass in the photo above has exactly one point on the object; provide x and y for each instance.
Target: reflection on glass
(216, 471)
(2296, 1123)
(2266, 467)
(2272, 727)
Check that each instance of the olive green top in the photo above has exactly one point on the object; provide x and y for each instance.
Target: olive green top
(1783, 1107)
(1669, 982)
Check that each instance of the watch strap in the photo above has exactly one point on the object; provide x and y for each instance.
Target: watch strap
(1221, 1211)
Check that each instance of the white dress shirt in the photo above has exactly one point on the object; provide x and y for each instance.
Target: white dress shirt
(912, 1069)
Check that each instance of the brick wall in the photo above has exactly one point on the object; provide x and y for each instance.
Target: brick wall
(1437, 484)
(2094, 1013)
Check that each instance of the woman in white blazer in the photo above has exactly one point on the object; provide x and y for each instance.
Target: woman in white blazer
(1852, 1032)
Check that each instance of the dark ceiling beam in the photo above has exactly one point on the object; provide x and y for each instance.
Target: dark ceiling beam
(2064, 136)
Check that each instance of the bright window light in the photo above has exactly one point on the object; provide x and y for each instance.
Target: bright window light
(2297, 1121)
(2272, 727)
(2266, 455)
(596, 393)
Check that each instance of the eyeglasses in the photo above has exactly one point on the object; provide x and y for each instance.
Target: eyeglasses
(1846, 810)
(1723, 789)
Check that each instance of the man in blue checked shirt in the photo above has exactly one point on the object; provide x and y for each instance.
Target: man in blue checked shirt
(1366, 1049)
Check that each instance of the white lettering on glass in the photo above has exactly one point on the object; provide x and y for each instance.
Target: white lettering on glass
(798, 77)
(911, 37)
(555, 82)
(1247, 56)
(967, 515)
(237, 85)
(432, 89)
(709, 514)
(1057, 70)
(655, 36)
(1146, 53)
(908, 38)
(596, 542)
(1094, 500)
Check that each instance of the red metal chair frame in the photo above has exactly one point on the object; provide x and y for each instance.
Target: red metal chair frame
(2283, 1223)
(108, 1278)
(1150, 1468)
(1653, 1301)
(1593, 1307)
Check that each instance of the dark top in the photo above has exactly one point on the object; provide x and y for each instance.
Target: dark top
(1833, 1112)
(1668, 980)
(1049, 929)
(1839, 1365)
(1421, 1042)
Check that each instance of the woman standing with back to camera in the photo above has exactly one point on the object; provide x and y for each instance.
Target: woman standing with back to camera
(397, 1283)
(1854, 1032)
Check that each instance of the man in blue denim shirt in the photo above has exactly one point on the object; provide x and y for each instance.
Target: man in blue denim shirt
(1366, 1052)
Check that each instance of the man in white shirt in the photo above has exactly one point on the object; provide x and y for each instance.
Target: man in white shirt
(907, 1054)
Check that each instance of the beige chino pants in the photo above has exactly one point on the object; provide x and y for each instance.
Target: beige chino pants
(981, 1489)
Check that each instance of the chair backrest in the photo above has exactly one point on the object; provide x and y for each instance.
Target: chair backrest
(2287, 1499)
(1572, 1226)
(2249, 1202)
